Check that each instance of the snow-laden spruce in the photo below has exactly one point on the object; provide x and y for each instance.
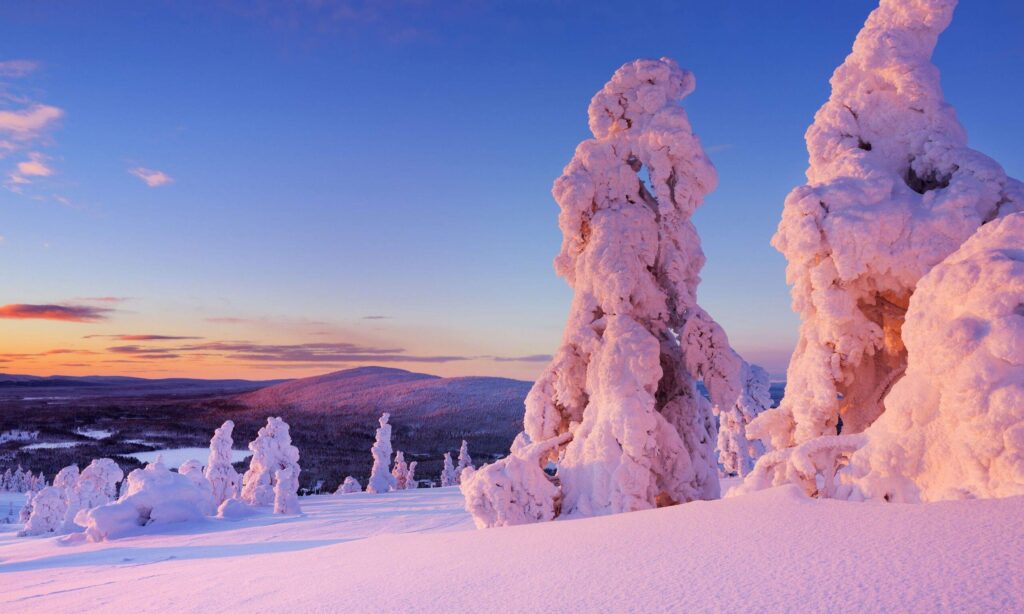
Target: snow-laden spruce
(48, 507)
(154, 496)
(624, 381)
(400, 471)
(67, 480)
(348, 486)
(892, 190)
(953, 427)
(448, 475)
(736, 451)
(381, 479)
(272, 451)
(465, 460)
(410, 477)
(286, 488)
(224, 480)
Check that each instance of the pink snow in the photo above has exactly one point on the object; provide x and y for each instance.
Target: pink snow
(792, 553)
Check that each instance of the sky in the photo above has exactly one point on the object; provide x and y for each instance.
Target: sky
(280, 189)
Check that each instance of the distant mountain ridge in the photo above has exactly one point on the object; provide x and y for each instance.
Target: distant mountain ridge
(14, 385)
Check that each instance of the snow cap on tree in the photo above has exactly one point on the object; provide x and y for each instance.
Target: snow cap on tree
(350, 485)
(224, 480)
(272, 450)
(381, 479)
(448, 475)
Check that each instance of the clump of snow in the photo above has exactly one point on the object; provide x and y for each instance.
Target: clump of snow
(624, 381)
(953, 427)
(236, 509)
(448, 475)
(272, 451)
(193, 470)
(154, 496)
(224, 480)
(349, 486)
(381, 479)
(892, 190)
(513, 490)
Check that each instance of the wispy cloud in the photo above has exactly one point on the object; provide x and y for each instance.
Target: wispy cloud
(27, 124)
(64, 313)
(377, 317)
(309, 353)
(530, 358)
(152, 178)
(228, 320)
(142, 337)
(17, 68)
(102, 299)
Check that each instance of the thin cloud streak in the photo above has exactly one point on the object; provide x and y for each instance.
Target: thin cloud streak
(152, 178)
(64, 313)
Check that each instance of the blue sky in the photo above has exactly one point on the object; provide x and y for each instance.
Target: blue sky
(374, 177)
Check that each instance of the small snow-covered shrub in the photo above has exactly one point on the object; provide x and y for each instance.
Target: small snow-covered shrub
(236, 509)
(381, 479)
(272, 450)
(400, 471)
(48, 509)
(350, 485)
(224, 480)
(286, 487)
(410, 482)
(515, 489)
(154, 496)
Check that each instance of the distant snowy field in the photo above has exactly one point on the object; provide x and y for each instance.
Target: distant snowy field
(177, 456)
(417, 551)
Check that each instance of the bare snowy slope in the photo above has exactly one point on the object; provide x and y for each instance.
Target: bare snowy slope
(772, 551)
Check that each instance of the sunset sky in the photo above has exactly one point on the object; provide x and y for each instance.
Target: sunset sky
(262, 189)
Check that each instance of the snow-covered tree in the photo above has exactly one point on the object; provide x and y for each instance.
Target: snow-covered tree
(5, 481)
(624, 381)
(410, 481)
(736, 452)
(465, 460)
(448, 475)
(97, 484)
(400, 471)
(953, 426)
(272, 450)
(67, 481)
(48, 510)
(18, 480)
(892, 190)
(350, 485)
(381, 479)
(224, 480)
(286, 488)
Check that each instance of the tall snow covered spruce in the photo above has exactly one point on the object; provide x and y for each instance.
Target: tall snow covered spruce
(448, 475)
(624, 381)
(465, 460)
(400, 471)
(224, 480)
(892, 190)
(381, 479)
(272, 451)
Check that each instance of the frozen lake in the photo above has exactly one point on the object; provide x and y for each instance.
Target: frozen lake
(176, 456)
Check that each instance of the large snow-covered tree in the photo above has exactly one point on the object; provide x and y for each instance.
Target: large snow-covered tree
(892, 189)
(381, 479)
(224, 480)
(272, 451)
(624, 381)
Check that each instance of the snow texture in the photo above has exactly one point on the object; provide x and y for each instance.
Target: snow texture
(953, 427)
(224, 480)
(624, 381)
(381, 479)
(155, 496)
(892, 190)
(272, 450)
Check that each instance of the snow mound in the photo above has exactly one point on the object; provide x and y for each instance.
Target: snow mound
(154, 496)
(954, 425)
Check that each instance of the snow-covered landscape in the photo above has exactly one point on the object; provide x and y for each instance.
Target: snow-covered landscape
(649, 466)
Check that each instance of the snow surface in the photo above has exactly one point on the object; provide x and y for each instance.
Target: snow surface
(176, 456)
(49, 445)
(94, 433)
(962, 556)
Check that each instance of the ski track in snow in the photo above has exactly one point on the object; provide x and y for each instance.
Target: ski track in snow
(770, 551)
